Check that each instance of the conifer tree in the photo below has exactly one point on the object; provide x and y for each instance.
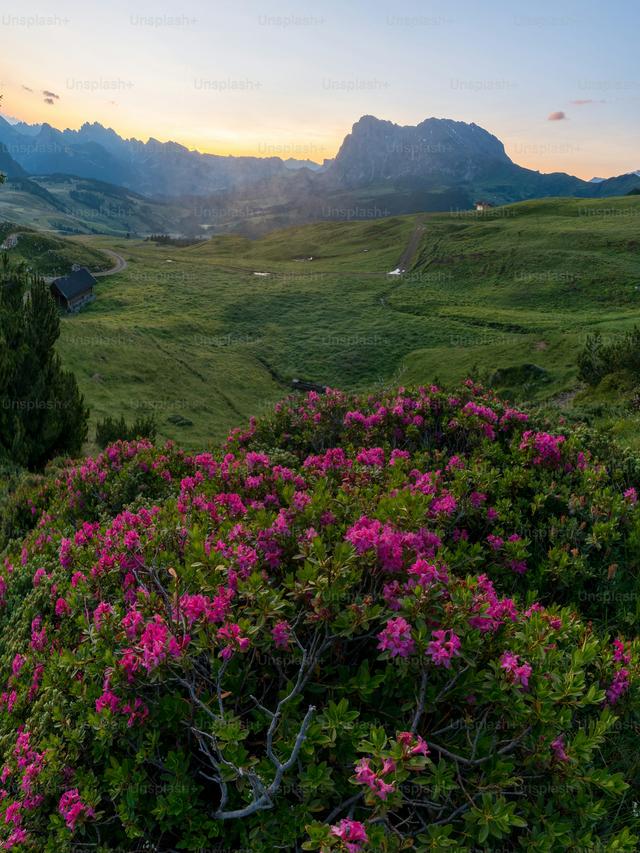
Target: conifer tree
(42, 413)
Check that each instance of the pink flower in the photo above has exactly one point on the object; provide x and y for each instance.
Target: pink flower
(620, 654)
(62, 608)
(103, 609)
(483, 412)
(365, 775)
(73, 809)
(301, 500)
(545, 447)
(374, 457)
(455, 463)
(495, 542)
(154, 643)
(412, 744)
(618, 686)
(352, 833)
(559, 753)
(396, 638)
(131, 623)
(631, 495)
(18, 663)
(281, 633)
(38, 577)
(12, 814)
(444, 647)
(445, 505)
(398, 454)
(107, 700)
(364, 534)
(427, 573)
(518, 673)
(137, 712)
(65, 553)
(18, 836)
(232, 633)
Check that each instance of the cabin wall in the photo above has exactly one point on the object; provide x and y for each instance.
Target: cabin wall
(78, 302)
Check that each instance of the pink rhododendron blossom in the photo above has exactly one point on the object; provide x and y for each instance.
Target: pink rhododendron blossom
(281, 634)
(396, 638)
(444, 647)
(231, 633)
(39, 576)
(620, 653)
(365, 775)
(412, 744)
(558, 749)
(62, 608)
(103, 610)
(546, 447)
(352, 833)
(18, 663)
(618, 686)
(374, 457)
(518, 673)
(73, 809)
(445, 505)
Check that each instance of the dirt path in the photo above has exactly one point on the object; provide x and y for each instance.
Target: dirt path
(119, 264)
(408, 256)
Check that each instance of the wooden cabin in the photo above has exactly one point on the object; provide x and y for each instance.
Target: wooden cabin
(75, 290)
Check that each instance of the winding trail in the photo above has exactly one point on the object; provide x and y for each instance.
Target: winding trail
(119, 264)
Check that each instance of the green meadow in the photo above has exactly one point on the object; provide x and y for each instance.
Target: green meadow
(207, 335)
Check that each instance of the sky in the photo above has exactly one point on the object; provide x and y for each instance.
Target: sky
(557, 82)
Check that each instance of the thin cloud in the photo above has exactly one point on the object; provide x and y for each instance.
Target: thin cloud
(582, 101)
(557, 116)
(49, 101)
(27, 88)
(50, 95)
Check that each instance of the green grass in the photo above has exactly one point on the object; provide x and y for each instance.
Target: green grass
(48, 254)
(193, 332)
(71, 205)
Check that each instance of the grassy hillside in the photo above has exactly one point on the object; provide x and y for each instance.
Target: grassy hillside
(196, 336)
(48, 254)
(72, 205)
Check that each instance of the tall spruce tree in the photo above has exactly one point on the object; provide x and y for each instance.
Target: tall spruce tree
(42, 413)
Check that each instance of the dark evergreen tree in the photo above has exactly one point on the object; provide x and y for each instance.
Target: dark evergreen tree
(42, 413)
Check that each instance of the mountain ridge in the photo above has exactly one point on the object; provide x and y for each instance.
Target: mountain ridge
(381, 169)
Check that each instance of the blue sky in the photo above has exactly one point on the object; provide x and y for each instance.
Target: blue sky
(291, 78)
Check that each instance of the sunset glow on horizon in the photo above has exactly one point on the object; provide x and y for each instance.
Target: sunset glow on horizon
(558, 85)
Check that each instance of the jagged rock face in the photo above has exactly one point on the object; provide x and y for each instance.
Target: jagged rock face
(152, 167)
(378, 151)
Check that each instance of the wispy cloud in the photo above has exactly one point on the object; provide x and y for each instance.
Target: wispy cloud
(557, 116)
(582, 101)
(27, 88)
(50, 97)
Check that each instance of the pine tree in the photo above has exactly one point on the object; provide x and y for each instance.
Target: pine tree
(42, 413)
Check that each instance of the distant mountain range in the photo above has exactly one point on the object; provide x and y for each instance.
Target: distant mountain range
(381, 169)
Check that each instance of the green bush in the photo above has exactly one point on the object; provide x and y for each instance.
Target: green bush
(598, 359)
(339, 633)
(111, 430)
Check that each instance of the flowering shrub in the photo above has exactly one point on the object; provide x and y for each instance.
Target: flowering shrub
(325, 637)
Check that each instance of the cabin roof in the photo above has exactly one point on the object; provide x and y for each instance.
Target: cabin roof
(74, 284)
